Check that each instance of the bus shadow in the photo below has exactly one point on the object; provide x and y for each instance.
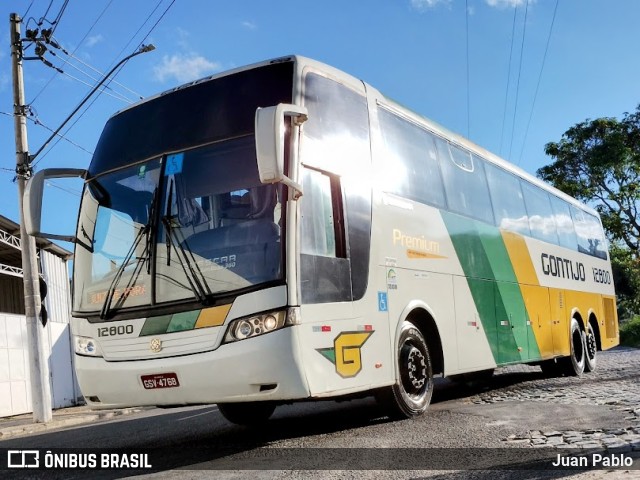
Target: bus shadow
(201, 439)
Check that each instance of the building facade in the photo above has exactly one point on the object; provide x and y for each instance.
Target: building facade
(15, 386)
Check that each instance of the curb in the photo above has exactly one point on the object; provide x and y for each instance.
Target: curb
(61, 422)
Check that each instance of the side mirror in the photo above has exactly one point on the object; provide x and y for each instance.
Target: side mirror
(270, 130)
(33, 199)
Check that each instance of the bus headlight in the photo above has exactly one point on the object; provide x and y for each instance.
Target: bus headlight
(254, 325)
(86, 346)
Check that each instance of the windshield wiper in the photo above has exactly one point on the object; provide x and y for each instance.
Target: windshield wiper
(106, 306)
(193, 274)
(147, 254)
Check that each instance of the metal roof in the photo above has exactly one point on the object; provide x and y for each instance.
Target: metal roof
(10, 253)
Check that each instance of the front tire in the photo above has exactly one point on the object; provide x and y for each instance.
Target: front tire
(247, 413)
(411, 394)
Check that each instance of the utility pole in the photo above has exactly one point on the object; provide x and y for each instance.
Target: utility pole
(38, 360)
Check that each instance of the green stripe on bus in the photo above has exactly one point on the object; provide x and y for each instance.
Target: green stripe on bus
(183, 321)
(482, 255)
(155, 325)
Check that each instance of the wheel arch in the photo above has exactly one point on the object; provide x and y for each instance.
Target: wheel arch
(419, 314)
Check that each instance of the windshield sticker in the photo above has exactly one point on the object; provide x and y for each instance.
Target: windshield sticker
(174, 164)
(346, 352)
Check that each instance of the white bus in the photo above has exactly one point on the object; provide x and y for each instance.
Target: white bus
(284, 232)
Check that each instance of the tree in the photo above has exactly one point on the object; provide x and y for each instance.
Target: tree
(598, 162)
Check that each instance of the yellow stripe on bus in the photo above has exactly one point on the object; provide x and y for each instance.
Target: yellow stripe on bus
(212, 317)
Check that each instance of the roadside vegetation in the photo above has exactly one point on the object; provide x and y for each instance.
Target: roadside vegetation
(630, 332)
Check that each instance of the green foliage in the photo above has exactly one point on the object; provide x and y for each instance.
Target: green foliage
(626, 278)
(598, 162)
(630, 333)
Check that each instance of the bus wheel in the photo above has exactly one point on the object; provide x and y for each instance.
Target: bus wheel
(574, 364)
(247, 413)
(411, 394)
(591, 349)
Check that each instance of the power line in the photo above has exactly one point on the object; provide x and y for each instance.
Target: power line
(33, 117)
(28, 8)
(90, 67)
(74, 50)
(68, 190)
(115, 73)
(466, 9)
(535, 95)
(506, 93)
(515, 108)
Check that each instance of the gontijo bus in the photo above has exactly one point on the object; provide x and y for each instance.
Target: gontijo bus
(284, 231)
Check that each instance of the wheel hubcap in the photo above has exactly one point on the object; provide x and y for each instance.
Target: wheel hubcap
(416, 367)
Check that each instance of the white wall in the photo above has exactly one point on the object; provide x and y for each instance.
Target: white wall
(15, 386)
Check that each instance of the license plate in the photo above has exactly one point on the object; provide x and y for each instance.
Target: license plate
(160, 380)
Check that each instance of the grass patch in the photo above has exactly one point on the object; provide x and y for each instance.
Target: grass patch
(630, 332)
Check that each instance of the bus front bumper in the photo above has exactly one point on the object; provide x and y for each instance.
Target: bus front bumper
(266, 367)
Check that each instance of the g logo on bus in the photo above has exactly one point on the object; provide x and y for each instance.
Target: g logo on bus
(346, 353)
(156, 345)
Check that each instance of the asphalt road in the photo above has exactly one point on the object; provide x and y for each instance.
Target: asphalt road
(468, 426)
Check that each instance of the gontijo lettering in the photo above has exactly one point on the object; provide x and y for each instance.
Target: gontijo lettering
(562, 267)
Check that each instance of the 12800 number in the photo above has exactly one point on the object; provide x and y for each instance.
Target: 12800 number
(115, 330)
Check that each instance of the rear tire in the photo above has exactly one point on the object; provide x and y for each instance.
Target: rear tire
(573, 365)
(247, 413)
(411, 394)
(591, 348)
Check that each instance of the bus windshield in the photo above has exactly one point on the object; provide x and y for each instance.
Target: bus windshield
(174, 210)
(185, 226)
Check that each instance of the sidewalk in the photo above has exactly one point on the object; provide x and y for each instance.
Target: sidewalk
(62, 417)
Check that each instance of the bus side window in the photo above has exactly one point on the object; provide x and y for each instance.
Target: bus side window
(589, 232)
(564, 223)
(541, 216)
(410, 167)
(322, 227)
(464, 182)
(507, 200)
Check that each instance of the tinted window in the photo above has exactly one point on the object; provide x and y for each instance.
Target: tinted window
(589, 233)
(410, 167)
(195, 115)
(318, 223)
(564, 223)
(507, 200)
(464, 182)
(541, 218)
(336, 139)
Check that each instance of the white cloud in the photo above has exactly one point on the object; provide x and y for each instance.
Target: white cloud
(94, 39)
(508, 3)
(249, 25)
(184, 68)
(426, 4)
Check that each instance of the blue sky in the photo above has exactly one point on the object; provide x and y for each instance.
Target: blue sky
(414, 51)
